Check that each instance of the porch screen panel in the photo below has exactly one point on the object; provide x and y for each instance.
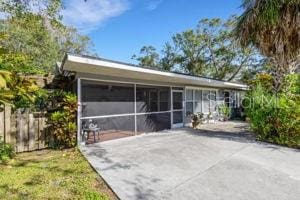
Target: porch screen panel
(104, 98)
(113, 127)
(152, 99)
(177, 117)
(164, 99)
(153, 122)
(177, 100)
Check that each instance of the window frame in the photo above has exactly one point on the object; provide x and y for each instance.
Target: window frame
(194, 101)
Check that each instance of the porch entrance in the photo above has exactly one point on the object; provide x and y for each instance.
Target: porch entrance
(177, 108)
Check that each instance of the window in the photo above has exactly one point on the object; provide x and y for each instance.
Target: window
(198, 101)
(213, 101)
(198, 107)
(205, 98)
(198, 94)
(193, 102)
(201, 101)
(189, 108)
(189, 95)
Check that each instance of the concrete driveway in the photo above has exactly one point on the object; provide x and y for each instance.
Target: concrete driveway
(221, 161)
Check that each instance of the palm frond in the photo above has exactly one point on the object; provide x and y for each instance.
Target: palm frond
(5, 77)
(272, 25)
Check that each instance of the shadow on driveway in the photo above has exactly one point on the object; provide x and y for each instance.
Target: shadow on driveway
(212, 162)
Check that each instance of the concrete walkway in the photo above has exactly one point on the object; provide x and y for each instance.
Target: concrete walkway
(220, 161)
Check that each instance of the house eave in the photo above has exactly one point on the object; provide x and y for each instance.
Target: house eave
(103, 67)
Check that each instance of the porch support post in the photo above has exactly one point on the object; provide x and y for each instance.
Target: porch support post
(135, 117)
(79, 110)
(171, 106)
(184, 106)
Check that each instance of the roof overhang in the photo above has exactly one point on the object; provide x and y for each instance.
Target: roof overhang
(82, 64)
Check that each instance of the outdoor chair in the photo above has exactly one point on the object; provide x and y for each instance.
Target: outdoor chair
(89, 128)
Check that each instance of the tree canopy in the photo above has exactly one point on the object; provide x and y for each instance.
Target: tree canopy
(210, 50)
(35, 31)
(149, 57)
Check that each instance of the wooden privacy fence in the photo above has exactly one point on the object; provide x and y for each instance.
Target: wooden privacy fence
(26, 131)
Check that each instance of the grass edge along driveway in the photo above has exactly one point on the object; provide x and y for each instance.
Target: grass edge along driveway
(51, 174)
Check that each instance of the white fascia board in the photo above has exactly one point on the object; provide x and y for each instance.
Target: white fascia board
(113, 65)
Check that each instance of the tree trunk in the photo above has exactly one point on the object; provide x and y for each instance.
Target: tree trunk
(281, 69)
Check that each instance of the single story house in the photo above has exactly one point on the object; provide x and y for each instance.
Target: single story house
(125, 100)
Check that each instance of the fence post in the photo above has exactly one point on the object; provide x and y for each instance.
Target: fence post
(7, 124)
(22, 131)
(41, 132)
(31, 134)
(2, 125)
(19, 133)
(26, 130)
(13, 130)
(36, 131)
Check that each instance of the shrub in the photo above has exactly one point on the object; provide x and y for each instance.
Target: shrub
(20, 92)
(63, 119)
(276, 117)
(225, 111)
(266, 80)
(197, 119)
(6, 151)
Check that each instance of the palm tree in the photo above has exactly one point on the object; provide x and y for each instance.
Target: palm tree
(273, 26)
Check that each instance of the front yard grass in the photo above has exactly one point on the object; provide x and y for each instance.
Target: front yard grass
(51, 174)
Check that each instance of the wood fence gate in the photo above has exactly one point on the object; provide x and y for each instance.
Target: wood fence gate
(25, 130)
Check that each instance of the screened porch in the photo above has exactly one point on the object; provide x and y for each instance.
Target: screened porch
(118, 109)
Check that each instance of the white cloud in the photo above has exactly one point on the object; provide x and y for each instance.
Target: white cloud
(88, 15)
(153, 4)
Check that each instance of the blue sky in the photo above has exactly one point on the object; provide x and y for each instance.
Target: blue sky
(119, 28)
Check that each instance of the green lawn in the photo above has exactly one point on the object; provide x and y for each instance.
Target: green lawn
(50, 174)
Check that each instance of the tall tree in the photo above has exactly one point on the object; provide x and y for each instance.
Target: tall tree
(168, 60)
(189, 50)
(225, 58)
(210, 50)
(273, 26)
(148, 57)
(35, 30)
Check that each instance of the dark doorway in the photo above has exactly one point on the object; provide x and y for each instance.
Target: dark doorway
(227, 98)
